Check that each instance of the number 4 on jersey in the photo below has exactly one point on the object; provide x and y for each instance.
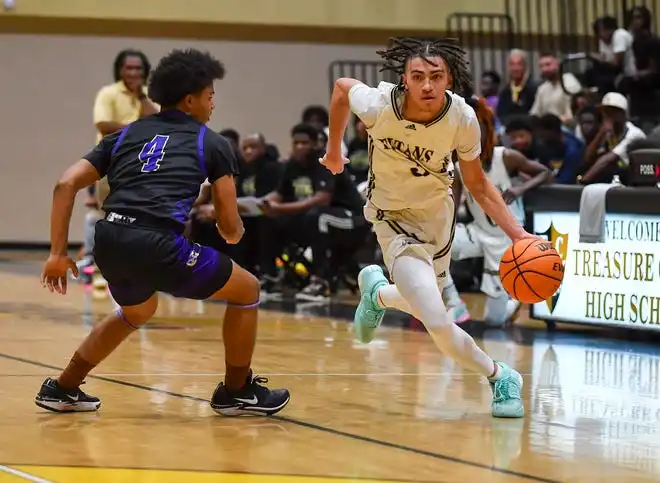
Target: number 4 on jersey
(152, 153)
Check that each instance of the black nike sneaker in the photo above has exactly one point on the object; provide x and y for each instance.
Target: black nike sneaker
(253, 399)
(53, 397)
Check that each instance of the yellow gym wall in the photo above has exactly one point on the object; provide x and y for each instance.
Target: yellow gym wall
(410, 15)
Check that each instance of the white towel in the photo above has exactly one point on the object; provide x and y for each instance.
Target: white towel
(592, 212)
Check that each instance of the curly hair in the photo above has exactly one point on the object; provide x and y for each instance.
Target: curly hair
(120, 59)
(404, 49)
(181, 73)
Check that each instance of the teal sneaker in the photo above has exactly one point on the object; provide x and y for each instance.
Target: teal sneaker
(368, 314)
(507, 401)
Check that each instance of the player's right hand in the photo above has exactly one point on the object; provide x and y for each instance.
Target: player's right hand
(335, 163)
(55, 272)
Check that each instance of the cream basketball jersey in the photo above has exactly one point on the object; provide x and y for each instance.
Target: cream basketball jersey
(499, 176)
(410, 164)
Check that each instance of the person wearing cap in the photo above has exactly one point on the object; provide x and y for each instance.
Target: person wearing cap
(607, 154)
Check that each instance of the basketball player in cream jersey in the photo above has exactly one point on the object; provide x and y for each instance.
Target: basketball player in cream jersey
(413, 129)
(482, 237)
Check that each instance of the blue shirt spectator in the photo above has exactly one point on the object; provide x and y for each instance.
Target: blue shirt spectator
(561, 150)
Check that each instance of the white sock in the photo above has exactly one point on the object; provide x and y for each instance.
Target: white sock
(415, 280)
(450, 293)
(389, 297)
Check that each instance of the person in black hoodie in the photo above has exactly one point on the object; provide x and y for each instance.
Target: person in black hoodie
(310, 207)
(260, 173)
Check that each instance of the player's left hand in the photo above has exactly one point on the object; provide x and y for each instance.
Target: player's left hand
(55, 272)
(512, 194)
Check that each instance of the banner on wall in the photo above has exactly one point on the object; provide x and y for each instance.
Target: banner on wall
(614, 283)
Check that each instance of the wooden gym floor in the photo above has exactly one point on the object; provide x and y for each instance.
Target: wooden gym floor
(394, 410)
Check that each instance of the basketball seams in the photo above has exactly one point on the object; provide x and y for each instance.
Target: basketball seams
(540, 297)
(529, 260)
(543, 275)
(521, 272)
(513, 250)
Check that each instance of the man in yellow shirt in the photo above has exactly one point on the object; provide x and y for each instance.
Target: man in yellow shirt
(123, 102)
(116, 106)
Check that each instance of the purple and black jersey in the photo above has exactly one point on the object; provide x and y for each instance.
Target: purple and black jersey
(155, 167)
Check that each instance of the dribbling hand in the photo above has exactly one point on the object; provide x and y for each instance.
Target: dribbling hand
(55, 272)
(335, 163)
(526, 234)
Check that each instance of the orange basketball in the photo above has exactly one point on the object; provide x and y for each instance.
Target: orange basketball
(531, 270)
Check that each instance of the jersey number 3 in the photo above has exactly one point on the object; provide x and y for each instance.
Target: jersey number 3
(152, 153)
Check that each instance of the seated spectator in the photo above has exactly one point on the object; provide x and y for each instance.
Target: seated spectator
(607, 154)
(615, 54)
(520, 134)
(358, 153)
(518, 96)
(578, 101)
(562, 151)
(588, 124)
(322, 143)
(490, 88)
(550, 96)
(310, 207)
(259, 174)
(233, 137)
(318, 117)
(643, 85)
(655, 133)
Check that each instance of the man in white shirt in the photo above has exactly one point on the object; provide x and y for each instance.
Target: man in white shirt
(550, 96)
(414, 129)
(615, 56)
(607, 154)
(614, 45)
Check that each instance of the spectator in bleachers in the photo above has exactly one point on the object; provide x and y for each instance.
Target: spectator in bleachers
(520, 134)
(518, 95)
(655, 133)
(119, 104)
(260, 174)
(578, 101)
(116, 105)
(311, 208)
(588, 124)
(358, 152)
(318, 117)
(615, 54)
(322, 142)
(643, 85)
(233, 137)
(550, 96)
(562, 151)
(490, 88)
(607, 154)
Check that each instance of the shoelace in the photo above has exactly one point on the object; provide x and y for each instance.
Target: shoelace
(259, 380)
(503, 391)
(373, 317)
